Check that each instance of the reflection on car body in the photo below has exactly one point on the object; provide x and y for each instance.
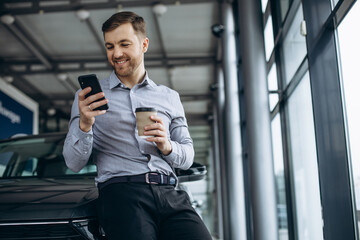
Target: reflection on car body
(40, 198)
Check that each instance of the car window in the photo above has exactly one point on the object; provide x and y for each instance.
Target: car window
(38, 157)
(29, 167)
(4, 160)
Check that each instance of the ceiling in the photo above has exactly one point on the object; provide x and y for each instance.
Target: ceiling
(47, 47)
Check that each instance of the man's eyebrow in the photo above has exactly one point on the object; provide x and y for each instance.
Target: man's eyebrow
(119, 42)
(124, 40)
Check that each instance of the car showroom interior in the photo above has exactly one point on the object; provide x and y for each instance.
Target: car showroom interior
(268, 92)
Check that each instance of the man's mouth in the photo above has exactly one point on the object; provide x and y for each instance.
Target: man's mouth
(120, 61)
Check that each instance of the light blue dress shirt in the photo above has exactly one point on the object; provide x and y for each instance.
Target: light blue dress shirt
(114, 140)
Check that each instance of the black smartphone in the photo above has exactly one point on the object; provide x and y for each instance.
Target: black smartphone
(92, 81)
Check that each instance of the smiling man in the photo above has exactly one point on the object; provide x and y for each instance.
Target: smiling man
(136, 180)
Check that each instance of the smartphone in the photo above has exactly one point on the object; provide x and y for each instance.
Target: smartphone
(92, 81)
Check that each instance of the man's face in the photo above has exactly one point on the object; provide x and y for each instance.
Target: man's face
(125, 51)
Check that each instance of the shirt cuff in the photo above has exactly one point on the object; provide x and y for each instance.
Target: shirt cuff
(85, 136)
(85, 140)
(172, 156)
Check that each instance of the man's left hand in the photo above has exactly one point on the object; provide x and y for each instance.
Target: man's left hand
(158, 134)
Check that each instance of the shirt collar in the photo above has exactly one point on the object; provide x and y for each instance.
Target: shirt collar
(115, 81)
(147, 81)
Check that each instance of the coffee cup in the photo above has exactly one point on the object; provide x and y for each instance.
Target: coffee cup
(143, 118)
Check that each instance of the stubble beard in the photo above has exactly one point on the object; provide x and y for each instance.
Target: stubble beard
(121, 72)
(126, 71)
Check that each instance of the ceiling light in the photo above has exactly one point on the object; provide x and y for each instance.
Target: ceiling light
(62, 76)
(159, 9)
(82, 14)
(51, 111)
(7, 19)
(217, 30)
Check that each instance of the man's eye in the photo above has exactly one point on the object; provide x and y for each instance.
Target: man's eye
(125, 45)
(109, 47)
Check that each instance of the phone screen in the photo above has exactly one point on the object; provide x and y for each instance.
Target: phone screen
(92, 81)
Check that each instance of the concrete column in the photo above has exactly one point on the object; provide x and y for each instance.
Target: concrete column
(263, 191)
(233, 153)
(217, 158)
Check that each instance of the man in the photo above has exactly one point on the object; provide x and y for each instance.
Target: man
(137, 196)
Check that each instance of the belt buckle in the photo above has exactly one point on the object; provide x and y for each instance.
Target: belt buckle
(147, 178)
(172, 181)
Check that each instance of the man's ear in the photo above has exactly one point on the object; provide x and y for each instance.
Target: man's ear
(145, 44)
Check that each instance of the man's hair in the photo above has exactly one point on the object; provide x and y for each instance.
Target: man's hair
(120, 18)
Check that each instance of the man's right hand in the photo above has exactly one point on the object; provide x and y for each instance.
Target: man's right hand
(86, 106)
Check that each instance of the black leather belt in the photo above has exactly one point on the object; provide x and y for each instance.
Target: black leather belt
(149, 178)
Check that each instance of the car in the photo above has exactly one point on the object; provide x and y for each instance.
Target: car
(40, 198)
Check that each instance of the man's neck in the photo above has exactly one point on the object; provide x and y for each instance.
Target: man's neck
(131, 81)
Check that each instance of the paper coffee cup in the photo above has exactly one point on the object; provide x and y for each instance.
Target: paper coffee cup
(143, 118)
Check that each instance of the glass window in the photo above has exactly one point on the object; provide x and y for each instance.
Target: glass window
(4, 160)
(304, 168)
(294, 48)
(273, 86)
(269, 38)
(349, 39)
(334, 2)
(344, 7)
(30, 167)
(284, 7)
(263, 5)
(36, 157)
(279, 177)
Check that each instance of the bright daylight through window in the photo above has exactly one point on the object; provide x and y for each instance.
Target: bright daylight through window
(349, 39)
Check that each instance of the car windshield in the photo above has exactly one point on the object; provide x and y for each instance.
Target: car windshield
(39, 157)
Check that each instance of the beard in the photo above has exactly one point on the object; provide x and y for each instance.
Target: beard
(128, 69)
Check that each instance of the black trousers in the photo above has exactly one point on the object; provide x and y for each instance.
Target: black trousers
(140, 211)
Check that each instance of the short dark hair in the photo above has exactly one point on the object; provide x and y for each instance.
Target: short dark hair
(117, 19)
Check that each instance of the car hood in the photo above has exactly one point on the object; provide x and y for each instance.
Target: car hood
(47, 199)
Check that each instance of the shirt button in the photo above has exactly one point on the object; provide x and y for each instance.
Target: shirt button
(85, 152)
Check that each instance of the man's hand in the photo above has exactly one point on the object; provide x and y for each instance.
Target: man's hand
(158, 130)
(86, 106)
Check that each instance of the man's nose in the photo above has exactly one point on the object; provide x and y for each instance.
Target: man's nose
(118, 52)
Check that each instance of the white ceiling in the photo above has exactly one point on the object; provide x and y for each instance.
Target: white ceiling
(181, 54)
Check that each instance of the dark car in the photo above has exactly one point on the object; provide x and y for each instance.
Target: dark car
(40, 198)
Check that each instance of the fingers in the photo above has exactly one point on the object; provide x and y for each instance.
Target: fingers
(87, 106)
(156, 119)
(157, 125)
(156, 129)
(91, 98)
(157, 133)
(94, 105)
(83, 93)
